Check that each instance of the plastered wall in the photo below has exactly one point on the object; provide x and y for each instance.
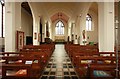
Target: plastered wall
(92, 36)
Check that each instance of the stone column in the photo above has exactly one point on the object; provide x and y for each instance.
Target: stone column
(106, 26)
(12, 22)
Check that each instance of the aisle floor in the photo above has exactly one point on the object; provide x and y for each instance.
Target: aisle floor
(59, 65)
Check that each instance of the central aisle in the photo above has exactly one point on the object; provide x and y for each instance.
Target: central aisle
(59, 65)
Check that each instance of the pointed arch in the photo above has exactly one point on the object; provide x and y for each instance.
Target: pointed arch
(59, 16)
(88, 22)
(27, 21)
(59, 28)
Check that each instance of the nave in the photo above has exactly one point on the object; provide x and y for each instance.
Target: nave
(29, 32)
(59, 65)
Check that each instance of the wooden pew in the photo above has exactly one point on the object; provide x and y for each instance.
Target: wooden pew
(75, 56)
(21, 55)
(33, 70)
(9, 53)
(6, 67)
(80, 48)
(48, 49)
(107, 54)
(91, 53)
(84, 63)
(38, 54)
(102, 71)
(79, 53)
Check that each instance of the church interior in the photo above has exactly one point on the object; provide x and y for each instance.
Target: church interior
(59, 39)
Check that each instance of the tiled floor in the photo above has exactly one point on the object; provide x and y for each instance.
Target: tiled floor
(59, 66)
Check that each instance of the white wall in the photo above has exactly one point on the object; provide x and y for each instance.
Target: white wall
(26, 23)
(93, 35)
(2, 41)
(82, 21)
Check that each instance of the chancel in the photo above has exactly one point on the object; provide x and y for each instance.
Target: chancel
(66, 39)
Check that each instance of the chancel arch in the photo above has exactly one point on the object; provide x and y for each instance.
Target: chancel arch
(59, 27)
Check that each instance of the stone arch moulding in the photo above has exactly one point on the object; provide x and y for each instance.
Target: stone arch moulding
(59, 16)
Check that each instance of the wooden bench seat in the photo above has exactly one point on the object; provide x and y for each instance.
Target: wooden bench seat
(87, 58)
(107, 54)
(102, 71)
(42, 55)
(10, 53)
(80, 49)
(50, 47)
(84, 62)
(32, 65)
(29, 63)
(17, 67)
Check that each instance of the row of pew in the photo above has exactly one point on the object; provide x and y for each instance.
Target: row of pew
(89, 63)
(28, 63)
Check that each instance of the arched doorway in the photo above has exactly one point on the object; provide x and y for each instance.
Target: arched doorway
(27, 23)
